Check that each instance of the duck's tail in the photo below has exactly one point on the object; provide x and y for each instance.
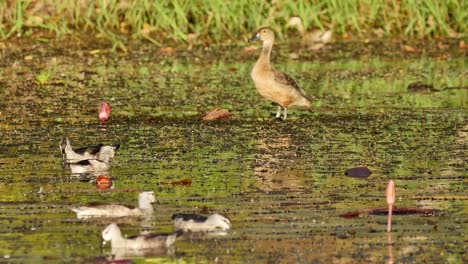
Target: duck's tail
(75, 209)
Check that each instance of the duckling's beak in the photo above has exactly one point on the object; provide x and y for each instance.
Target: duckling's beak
(255, 37)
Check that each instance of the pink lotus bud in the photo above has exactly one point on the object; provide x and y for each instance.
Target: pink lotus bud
(390, 202)
(391, 193)
(104, 113)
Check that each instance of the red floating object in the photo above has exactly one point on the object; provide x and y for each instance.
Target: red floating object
(103, 182)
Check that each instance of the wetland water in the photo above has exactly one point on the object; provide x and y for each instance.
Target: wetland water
(282, 184)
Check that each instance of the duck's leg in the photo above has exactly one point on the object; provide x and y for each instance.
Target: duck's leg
(278, 113)
(285, 114)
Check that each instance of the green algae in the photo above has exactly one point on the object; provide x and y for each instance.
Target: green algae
(282, 184)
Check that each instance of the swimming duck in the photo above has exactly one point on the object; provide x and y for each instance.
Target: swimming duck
(274, 85)
(198, 223)
(315, 39)
(69, 155)
(101, 163)
(113, 234)
(115, 210)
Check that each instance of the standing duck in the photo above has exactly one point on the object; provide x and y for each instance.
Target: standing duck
(116, 210)
(273, 85)
(69, 155)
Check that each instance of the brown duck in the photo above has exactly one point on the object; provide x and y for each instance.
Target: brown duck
(273, 85)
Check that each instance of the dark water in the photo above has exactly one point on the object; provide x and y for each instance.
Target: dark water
(282, 184)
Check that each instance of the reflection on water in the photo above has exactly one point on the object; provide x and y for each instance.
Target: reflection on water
(273, 163)
(119, 253)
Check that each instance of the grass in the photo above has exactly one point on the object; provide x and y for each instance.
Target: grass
(218, 21)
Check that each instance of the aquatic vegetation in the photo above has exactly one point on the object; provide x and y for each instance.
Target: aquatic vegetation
(207, 21)
(43, 77)
(282, 184)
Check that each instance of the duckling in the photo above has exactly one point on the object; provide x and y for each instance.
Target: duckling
(198, 223)
(113, 234)
(315, 39)
(273, 85)
(69, 155)
(115, 210)
(101, 163)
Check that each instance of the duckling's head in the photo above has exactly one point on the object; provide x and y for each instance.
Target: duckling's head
(264, 34)
(219, 221)
(110, 232)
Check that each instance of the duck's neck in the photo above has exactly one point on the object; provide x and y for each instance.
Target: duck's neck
(266, 52)
(117, 240)
(301, 28)
(264, 59)
(145, 205)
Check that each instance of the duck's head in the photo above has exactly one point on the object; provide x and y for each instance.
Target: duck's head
(295, 22)
(146, 197)
(111, 231)
(107, 153)
(219, 221)
(264, 34)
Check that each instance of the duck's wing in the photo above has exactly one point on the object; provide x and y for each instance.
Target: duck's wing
(285, 79)
(90, 149)
(188, 217)
(83, 163)
(105, 205)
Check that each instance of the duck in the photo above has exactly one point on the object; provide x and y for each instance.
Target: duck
(137, 243)
(70, 155)
(274, 85)
(313, 40)
(198, 223)
(101, 163)
(93, 210)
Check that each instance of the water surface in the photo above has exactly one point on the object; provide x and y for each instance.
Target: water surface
(282, 184)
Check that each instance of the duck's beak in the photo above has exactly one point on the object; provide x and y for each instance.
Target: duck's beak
(255, 37)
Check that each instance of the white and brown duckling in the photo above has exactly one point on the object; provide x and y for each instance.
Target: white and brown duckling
(315, 39)
(70, 155)
(198, 223)
(93, 210)
(102, 162)
(113, 234)
(274, 85)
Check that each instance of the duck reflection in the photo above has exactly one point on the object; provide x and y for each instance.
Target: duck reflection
(271, 165)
